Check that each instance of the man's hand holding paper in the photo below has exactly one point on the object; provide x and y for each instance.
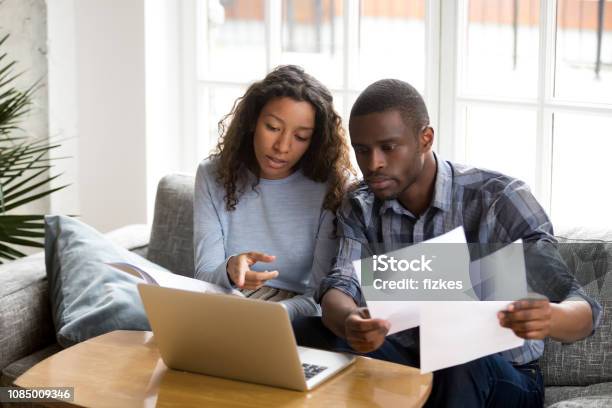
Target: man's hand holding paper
(528, 318)
(363, 333)
(476, 327)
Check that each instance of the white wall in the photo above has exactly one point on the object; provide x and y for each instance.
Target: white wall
(97, 89)
(26, 22)
(63, 106)
(111, 128)
(170, 60)
(119, 91)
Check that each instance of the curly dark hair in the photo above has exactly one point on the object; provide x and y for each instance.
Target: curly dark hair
(327, 158)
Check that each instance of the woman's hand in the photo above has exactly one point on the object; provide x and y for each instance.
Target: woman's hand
(239, 270)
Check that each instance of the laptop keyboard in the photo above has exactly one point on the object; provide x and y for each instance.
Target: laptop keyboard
(310, 370)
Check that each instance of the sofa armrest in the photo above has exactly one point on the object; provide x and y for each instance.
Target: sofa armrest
(132, 237)
(26, 324)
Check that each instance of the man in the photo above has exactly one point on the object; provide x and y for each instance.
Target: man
(409, 195)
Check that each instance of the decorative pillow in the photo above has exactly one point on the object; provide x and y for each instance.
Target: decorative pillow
(88, 297)
(584, 362)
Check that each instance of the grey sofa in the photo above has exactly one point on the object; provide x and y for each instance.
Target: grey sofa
(578, 374)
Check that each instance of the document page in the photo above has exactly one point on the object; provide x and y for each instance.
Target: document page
(171, 280)
(455, 326)
(458, 332)
(405, 314)
(454, 333)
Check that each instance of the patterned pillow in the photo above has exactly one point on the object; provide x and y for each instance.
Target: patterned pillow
(587, 361)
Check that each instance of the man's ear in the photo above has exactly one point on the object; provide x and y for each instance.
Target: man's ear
(426, 139)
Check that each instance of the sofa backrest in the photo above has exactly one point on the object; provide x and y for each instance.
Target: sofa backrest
(588, 254)
(171, 244)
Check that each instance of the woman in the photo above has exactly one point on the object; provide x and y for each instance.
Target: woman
(264, 201)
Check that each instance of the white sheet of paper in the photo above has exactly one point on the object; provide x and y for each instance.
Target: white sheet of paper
(405, 315)
(500, 275)
(171, 280)
(458, 332)
(401, 315)
(455, 236)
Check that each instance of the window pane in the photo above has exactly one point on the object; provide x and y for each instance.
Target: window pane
(215, 103)
(235, 40)
(509, 149)
(392, 42)
(584, 50)
(500, 54)
(581, 194)
(312, 32)
(350, 100)
(339, 107)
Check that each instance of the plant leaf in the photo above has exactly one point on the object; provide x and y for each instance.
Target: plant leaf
(9, 198)
(10, 253)
(24, 242)
(24, 164)
(32, 198)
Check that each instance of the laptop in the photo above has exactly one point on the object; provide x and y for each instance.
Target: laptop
(237, 338)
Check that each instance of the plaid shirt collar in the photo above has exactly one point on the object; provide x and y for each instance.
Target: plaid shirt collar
(443, 192)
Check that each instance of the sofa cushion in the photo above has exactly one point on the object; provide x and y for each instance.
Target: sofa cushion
(588, 254)
(585, 402)
(171, 244)
(585, 362)
(26, 324)
(596, 395)
(88, 297)
(25, 316)
(14, 370)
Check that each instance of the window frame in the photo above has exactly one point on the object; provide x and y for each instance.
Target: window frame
(444, 36)
(351, 14)
(545, 104)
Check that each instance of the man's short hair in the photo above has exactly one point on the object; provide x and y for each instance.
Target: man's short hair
(389, 94)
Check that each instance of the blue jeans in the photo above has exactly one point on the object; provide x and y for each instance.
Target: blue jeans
(486, 382)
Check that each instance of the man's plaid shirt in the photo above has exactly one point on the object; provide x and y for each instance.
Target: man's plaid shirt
(491, 207)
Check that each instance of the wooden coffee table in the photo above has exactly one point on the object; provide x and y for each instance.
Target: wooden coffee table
(123, 368)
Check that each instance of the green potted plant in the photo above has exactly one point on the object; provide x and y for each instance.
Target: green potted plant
(24, 166)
